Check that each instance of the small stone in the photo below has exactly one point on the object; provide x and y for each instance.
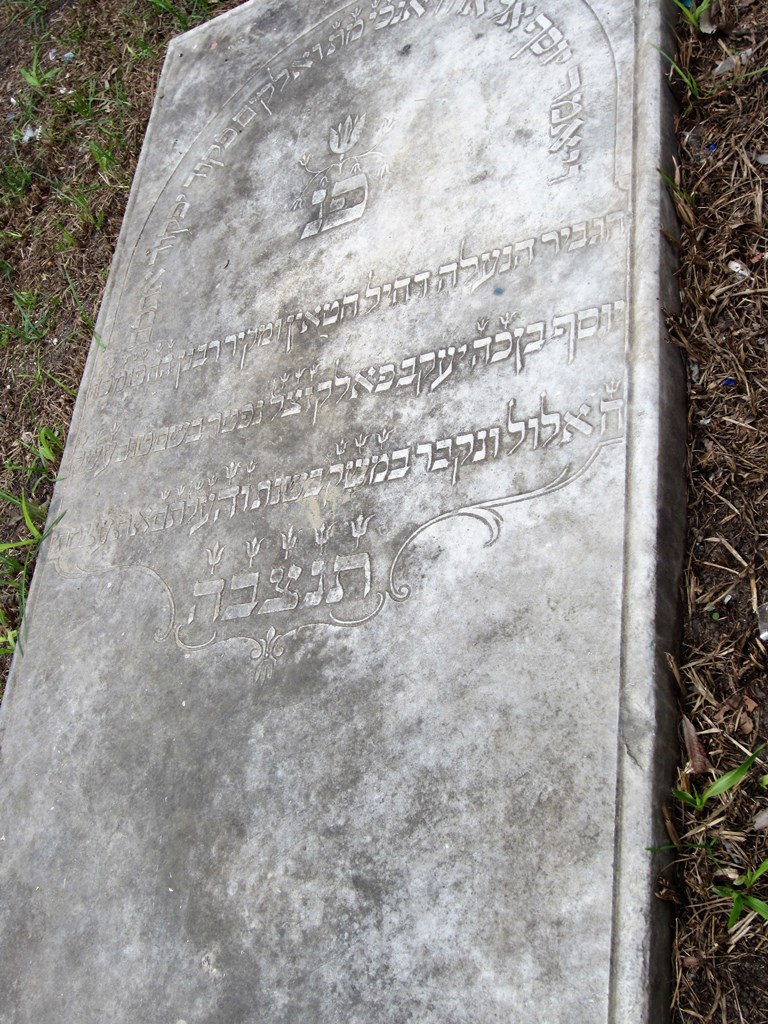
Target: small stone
(725, 66)
(30, 133)
(738, 268)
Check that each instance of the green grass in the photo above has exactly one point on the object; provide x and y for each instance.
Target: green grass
(81, 79)
(695, 93)
(36, 77)
(33, 12)
(17, 559)
(689, 198)
(686, 77)
(17, 556)
(34, 311)
(692, 11)
(185, 15)
(720, 786)
(15, 180)
(741, 898)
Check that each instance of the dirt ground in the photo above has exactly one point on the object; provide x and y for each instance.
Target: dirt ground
(77, 80)
(721, 79)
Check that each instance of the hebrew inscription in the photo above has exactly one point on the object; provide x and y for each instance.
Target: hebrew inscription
(357, 550)
(333, 374)
(534, 37)
(167, 362)
(337, 193)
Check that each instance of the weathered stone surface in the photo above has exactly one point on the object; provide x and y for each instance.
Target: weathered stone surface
(343, 692)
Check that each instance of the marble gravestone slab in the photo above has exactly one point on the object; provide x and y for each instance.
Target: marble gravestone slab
(343, 696)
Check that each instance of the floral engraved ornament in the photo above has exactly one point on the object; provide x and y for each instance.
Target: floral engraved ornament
(252, 549)
(288, 541)
(359, 527)
(268, 649)
(323, 534)
(214, 555)
(342, 138)
(338, 191)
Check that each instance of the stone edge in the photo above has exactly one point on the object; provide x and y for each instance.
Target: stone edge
(114, 282)
(641, 975)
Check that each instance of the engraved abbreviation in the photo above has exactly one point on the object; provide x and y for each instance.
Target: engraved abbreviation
(339, 193)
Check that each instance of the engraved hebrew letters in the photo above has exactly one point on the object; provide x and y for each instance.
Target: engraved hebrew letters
(341, 324)
(356, 535)
(338, 191)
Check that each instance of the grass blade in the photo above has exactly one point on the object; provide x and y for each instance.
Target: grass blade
(759, 906)
(731, 778)
(754, 875)
(680, 794)
(37, 535)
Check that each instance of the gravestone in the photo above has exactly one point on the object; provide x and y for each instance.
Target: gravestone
(343, 695)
